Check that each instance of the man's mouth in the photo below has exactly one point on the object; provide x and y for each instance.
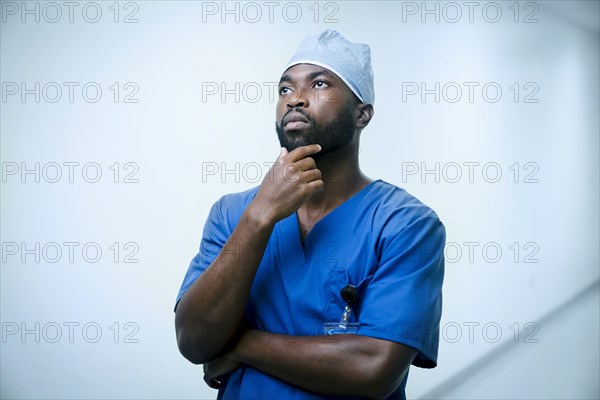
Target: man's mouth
(294, 120)
(295, 125)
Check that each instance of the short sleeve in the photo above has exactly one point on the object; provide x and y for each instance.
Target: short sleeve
(403, 301)
(214, 236)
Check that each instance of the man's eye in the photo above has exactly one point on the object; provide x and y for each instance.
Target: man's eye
(285, 90)
(321, 84)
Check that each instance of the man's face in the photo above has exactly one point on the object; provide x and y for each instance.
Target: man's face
(315, 106)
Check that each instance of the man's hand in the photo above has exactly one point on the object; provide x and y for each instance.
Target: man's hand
(291, 180)
(218, 367)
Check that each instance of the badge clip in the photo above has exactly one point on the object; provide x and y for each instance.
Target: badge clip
(350, 295)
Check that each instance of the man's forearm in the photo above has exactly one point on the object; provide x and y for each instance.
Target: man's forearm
(209, 313)
(343, 365)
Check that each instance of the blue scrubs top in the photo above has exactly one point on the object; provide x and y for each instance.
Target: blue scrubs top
(382, 240)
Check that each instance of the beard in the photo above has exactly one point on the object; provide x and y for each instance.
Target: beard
(331, 136)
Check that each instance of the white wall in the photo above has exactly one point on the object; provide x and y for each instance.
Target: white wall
(169, 58)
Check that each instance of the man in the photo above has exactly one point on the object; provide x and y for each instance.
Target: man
(321, 282)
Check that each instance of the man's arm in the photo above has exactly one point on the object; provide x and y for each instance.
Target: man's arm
(342, 365)
(209, 313)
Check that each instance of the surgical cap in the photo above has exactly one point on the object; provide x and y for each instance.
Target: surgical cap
(349, 61)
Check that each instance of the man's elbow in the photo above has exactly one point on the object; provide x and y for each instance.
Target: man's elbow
(192, 342)
(382, 390)
(192, 350)
(379, 384)
(382, 373)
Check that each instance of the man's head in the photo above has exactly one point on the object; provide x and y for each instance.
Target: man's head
(325, 93)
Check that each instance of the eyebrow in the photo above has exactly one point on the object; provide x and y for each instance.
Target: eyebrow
(310, 77)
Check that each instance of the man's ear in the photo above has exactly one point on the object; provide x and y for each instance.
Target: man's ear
(365, 113)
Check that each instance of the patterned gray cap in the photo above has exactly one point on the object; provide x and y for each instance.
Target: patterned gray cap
(350, 61)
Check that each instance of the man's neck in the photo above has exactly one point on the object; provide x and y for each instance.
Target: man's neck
(342, 177)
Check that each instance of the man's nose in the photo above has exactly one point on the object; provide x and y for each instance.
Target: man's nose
(298, 99)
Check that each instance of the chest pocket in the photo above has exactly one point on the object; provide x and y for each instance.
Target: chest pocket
(338, 279)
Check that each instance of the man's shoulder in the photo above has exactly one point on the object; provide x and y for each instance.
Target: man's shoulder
(237, 199)
(402, 218)
(231, 206)
(395, 205)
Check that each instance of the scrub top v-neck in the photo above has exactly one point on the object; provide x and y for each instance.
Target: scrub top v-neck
(291, 224)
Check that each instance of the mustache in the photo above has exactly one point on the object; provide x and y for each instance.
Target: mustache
(299, 111)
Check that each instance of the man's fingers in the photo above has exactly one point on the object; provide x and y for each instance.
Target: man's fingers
(318, 176)
(312, 175)
(306, 164)
(316, 186)
(212, 382)
(304, 151)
